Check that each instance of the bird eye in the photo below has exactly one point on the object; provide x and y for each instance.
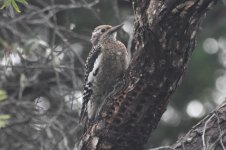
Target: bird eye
(102, 30)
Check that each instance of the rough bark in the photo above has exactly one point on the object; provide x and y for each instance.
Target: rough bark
(165, 34)
(208, 134)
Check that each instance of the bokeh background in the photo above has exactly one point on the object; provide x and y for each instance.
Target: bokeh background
(42, 54)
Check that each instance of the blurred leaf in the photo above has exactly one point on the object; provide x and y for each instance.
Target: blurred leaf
(15, 6)
(3, 95)
(23, 2)
(4, 117)
(6, 4)
(3, 120)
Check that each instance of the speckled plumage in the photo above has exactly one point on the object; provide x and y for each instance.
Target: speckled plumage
(106, 62)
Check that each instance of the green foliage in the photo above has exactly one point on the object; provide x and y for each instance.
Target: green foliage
(3, 120)
(13, 3)
(3, 117)
(3, 95)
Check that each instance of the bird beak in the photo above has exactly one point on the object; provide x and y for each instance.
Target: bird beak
(115, 28)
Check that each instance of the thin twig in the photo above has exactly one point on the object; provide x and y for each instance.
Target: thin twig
(204, 130)
(162, 148)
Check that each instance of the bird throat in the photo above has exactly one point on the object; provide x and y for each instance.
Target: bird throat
(108, 38)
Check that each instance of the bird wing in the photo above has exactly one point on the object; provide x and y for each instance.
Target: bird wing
(87, 90)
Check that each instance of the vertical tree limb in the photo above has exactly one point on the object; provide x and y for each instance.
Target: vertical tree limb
(165, 35)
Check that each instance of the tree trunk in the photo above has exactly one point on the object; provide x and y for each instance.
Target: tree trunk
(165, 35)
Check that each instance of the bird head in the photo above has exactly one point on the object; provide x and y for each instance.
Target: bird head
(104, 32)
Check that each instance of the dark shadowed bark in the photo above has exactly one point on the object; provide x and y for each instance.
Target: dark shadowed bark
(165, 35)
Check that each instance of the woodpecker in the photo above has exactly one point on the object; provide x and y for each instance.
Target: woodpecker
(106, 62)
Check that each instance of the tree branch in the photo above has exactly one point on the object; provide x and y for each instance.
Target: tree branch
(165, 35)
(209, 133)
